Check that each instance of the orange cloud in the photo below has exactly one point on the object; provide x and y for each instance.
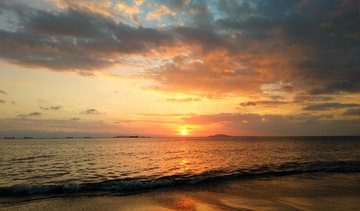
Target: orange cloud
(158, 12)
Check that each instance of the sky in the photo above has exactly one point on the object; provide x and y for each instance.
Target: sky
(170, 67)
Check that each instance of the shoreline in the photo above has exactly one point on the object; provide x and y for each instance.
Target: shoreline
(292, 192)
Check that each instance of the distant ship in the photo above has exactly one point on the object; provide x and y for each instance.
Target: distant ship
(9, 137)
(87, 137)
(69, 137)
(26, 137)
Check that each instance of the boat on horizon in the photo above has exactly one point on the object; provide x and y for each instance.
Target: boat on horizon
(8, 137)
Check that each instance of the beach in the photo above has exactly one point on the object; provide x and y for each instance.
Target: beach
(296, 192)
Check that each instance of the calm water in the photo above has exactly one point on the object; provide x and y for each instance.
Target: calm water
(75, 165)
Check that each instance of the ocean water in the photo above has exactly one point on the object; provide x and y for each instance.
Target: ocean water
(48, 166)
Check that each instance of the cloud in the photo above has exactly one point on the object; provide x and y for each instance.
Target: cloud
(263, 103)
(34, 114)
(74, 39)
(40, 100)
(75, 119)
(218, 49)
(328, 106)
(3, 92)
(287, 88)
(336, 87)
(352, 112)
(218, 118)
(205, 76)
(102, 7)
(272, 42)
(51, 108)
(2, 101)
(90, 111)
(139, 2)
(306, 117)
(13, 102)
(130, 11)
(301, 97)
(188, 99)
(158, 12)
(248, 104)
(255, 124)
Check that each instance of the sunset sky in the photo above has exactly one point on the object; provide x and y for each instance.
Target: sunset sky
(162, 67)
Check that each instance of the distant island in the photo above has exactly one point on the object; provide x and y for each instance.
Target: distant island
(220, 135)
(131, 137)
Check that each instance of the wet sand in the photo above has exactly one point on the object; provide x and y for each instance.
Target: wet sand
(297, 192)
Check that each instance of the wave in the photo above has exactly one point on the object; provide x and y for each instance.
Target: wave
(129, 185)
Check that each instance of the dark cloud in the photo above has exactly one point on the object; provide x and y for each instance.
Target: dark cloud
(51, 108)
(271, 103)
(74, 39)
(352, 112)
(90, 111)
(2, 101)
(223, 117)
(330, 116)
(306, 117)
(287, 88)
(328, 106)
(263, 103)
(254, 124)
(34, 114)
(188, 99)
(177, 5)
(248, 104)
(304, 44)
(301, 97)
(310, 46)
(336, 87)
(276, 97)
(3, 92)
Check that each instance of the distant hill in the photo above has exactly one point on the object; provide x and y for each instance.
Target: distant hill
(220, 135)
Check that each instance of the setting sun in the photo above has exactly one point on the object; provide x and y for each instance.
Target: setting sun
(183, 132)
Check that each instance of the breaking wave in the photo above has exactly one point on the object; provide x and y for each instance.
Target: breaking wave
(129, 185)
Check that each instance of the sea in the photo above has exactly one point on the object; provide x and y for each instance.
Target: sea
(133, 165)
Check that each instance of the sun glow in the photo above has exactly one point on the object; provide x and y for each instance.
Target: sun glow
(183, 132)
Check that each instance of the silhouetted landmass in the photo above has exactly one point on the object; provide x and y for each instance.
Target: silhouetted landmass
(132, 137)
(220, 135)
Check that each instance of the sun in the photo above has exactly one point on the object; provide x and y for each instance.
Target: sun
(183, 132)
